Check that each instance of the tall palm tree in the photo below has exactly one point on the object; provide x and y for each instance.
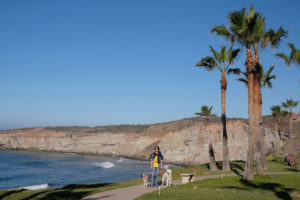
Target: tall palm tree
(276, 113)
(207, 112)
(265, 81)
(290, 104)
(221, 61)
(243, 29)
(248, 29)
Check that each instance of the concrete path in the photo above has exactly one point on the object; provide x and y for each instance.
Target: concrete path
(135, 191)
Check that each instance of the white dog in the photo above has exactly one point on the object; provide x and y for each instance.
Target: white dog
(146, 179)
(167, 178)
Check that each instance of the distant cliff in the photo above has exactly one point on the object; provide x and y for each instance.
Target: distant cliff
(182, 142)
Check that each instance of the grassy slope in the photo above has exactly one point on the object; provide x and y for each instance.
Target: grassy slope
(209, 187)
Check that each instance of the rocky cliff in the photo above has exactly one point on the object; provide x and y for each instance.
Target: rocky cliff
(182, 142)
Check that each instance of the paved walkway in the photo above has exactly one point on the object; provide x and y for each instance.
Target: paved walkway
(135, 191)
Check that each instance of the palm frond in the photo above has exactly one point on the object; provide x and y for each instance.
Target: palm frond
(266, 78)
(284, 57)
(245, 81)
(284, 113)
(279, 34)
(223, 54)
(236, 71)
(223, 31)
(292, 47)
(276, 110)
(208, 63)
(215, 53)
(232, 54)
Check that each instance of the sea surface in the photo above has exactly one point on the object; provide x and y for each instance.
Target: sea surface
(38, 170)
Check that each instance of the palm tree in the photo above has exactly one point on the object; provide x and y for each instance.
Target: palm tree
(242, 29)
(248, 29)
(221, 61)
(265, 81)
(290, 104)
(207, 112)
(276, 113)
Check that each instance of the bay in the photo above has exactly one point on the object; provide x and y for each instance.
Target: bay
(22, 168)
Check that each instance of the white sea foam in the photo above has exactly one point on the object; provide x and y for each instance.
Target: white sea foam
(120, 160)
(36, 187)
(104, 164)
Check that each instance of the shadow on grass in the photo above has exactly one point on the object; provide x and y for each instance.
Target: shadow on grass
(280, 191)
(10, 192)
(237, 167)
(58, 195)
(85, 186)
(68, 192)
(34, 195)
(291, 169)
(64, 195)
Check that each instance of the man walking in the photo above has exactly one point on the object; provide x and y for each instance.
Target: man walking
(156, 160)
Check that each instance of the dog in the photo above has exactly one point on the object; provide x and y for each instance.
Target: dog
(146, 179)
(167, 178)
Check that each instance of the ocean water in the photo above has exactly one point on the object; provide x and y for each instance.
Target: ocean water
(20, 169)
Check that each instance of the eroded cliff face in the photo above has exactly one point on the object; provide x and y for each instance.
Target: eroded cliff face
(181, 142)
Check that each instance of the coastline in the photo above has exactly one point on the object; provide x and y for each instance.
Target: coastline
(182, 142)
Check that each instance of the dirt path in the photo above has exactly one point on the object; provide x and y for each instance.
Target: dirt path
(132, 192)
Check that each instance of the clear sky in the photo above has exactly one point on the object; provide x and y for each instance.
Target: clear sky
(109, 62)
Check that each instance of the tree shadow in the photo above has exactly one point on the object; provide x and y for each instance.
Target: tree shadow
(34, 195)
(66, 192)
(278, 189)
(291, 170)
(236, 166)
(64, 195)
(85, 186)
(10, 192)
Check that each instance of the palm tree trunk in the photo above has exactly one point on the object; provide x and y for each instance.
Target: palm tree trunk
(225, 163)
(212, 160)
(248, 173)
(291, 131)
(277, 134)
(263, 139)
(258, 123)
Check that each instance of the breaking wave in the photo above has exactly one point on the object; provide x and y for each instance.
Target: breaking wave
(104, 165)
(36, 187)
(120, 160)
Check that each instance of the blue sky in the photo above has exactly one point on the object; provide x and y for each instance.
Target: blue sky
(94, 63)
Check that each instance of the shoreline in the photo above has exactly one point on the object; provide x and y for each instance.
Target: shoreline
(89, 154)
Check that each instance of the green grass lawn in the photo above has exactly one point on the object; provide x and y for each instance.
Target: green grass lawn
(283, 187)
(274, 164)
(268, 187)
